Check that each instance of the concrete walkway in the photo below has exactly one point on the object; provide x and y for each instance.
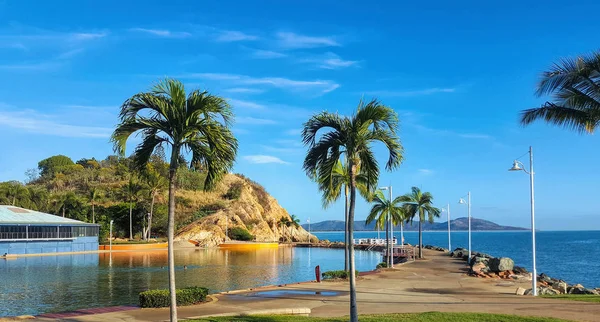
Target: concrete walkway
(438, 283)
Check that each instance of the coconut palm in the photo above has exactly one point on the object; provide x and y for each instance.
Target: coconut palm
(419, 204)
(132, 192)
(93, 194)
(198, 123)
(332, 191)
(385, 210)
(284, 222)
(574, 84)
(332, 138)
(154, 183)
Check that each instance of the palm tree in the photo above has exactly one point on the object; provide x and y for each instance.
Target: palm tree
(16, 191)
(417, 203)
(351, 138)
(154, 182)
(93, 193)
(284, 222)
(293, 221)
(131, 191)
(383, 210)
(198, 123)
(575, 87)
(332, 191)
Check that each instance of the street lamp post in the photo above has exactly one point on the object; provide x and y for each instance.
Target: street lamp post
(518, 166)
(468, 202)
(110, 238)
(308, 221)
(447, 209)
(391, 224)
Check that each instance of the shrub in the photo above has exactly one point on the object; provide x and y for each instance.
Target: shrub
(234, 192)
(239, 233)
(341, 274)
(185, 296)
(381, 265)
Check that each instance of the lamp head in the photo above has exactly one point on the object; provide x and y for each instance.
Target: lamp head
(462, 201)
(383, 188)
(516, 166)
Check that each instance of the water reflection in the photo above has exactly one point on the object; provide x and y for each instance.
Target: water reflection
(34, 285)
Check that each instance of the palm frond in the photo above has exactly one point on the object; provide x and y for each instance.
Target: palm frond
(578, 120)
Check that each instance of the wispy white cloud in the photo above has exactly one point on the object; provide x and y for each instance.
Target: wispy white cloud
(245, 104)
(70, 53)
(262, 159)
(15, 45)
(162, 33)
(267, 54)
(411, 93)
(293, 40)
(253, 120)
(330, 61)
(244, 90)
(290, 142)
(478, 136)
(233, 36)
(43, 66)
(31, 121)
(293, 132)
(323, 86)
(82, 36)
(426, 172)
(283, 150)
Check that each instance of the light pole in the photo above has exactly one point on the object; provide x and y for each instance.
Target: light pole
(518, 166)
(447, 209)
(110, 238)
(308, 221)
(468, 202)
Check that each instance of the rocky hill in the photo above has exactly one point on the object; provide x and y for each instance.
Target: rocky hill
(238, 202)
(456, 224)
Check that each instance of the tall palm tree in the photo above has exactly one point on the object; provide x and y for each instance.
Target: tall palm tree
(385, 210)
(198, 123)
(419, 204)
(154, 182)
(93, 193)
(331, 138)
(333, 190)
(574, 84)
(284, 222)
(131, 191)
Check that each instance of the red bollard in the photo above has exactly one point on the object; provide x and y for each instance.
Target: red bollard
(318, 273)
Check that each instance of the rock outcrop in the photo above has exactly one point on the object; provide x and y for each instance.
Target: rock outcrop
(252, 209)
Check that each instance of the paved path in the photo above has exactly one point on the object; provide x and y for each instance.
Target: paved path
(437, 283)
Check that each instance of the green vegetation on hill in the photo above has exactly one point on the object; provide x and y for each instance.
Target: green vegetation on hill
(98, 191)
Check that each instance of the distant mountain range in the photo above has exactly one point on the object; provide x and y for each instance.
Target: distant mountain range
(456, 224)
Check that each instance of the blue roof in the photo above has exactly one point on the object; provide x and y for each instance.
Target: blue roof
(17, 215)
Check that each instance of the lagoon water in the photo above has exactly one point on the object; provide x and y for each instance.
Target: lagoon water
(35, 285)
(573, 256)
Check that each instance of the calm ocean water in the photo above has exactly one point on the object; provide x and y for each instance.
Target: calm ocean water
(573, 256)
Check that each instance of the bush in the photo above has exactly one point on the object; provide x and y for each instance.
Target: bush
(239, 233)
(185, 296)
(341, 274)
(234, 192)
(381, 265)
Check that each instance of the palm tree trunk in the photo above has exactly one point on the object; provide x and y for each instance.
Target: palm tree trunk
(353, 306)
(387, 243)
(130, 220)
(93, 214)
(63, 210)
(171, 232)
(420, 239)
(150, 218)
(346, 241)
(15, 199)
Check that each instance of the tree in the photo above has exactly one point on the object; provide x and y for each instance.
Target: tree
(54, 164)
(417, 203)
(154, 183)
(351, 138)
(575, 87)
(284, 222)
(16, 191)
(199, 123)
(131, 191)
(385, 210)
(93, 193)
(332, 191)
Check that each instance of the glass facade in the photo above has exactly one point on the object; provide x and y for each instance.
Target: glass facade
(45, 232)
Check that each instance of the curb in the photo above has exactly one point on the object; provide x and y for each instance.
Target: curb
(287, 311)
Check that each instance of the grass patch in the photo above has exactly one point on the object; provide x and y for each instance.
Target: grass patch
(413, 317)
(575, 297)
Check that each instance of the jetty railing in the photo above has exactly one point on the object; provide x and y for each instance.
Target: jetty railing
(372, 241)
(401, 252)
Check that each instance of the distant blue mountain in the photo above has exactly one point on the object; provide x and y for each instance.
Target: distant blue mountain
(456, 224)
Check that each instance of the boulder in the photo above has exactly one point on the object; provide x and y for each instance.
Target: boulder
(520, 291)
(547, 291)
(544, 278)
(480, 268)
(561, 287)
(519, 270)
(458, 252)
(501, 264)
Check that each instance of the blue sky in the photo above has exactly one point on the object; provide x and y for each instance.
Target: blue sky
(457, 74)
